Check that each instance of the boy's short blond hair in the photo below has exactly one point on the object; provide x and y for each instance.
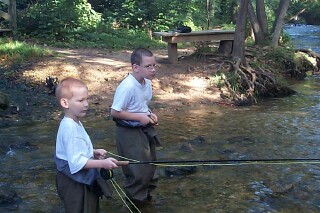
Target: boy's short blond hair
(66, 87)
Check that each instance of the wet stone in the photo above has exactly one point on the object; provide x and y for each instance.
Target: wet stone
(8, 196)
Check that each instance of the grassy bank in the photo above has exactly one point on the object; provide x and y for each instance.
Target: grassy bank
(15, 52)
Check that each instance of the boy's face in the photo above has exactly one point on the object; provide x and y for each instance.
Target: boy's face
(77, 106)
(147, 67)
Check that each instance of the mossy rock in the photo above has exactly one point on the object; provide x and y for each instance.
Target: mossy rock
(4, 101)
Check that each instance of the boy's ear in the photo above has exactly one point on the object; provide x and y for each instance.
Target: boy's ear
(64, 103)
(134, 67)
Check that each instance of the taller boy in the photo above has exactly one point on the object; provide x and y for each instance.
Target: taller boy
(136, 136)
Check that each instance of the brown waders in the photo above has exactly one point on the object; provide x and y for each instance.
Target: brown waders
(138, 144)
(77, 197)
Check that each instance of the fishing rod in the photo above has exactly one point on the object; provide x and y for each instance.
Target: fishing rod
(108, 174)
(226, 162)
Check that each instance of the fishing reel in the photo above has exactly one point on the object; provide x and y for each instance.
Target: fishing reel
(106, 174)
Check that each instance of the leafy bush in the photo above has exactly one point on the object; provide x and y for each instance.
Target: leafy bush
(57, 19)
(283, 58)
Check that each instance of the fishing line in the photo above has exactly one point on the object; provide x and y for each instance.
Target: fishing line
(108, 175)
(118, 188)
(231, 162)
(182, 163)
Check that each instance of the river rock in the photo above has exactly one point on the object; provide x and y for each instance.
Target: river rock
(243, 140)
(180, 171)
(4, 101)
(8, 196)
(10, 149)
(195, 142)
(199, 140)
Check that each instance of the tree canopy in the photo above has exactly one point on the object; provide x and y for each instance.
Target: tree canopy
(64, 20)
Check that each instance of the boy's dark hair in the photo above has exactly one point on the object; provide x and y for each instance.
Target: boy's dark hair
(136, 56)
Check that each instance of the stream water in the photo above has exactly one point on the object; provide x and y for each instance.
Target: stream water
(305, 36)
(273, 129)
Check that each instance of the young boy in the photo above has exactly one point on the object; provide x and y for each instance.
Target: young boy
(76, 160)
(136, 137)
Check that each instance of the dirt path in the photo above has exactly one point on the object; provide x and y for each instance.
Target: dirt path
(188, 82)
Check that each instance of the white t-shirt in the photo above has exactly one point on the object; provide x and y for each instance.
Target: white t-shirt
(132, 96)
(73, 144)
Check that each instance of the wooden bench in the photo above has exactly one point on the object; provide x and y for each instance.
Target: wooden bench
(173, 38)
(5, 30)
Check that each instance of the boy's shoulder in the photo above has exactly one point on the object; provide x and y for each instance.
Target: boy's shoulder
(67, 123)
(128, 82)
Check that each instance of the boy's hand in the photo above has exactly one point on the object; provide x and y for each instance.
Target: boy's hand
(99, 154)
(154, 118)
(148, 118)
(145, 119)
(110, 163)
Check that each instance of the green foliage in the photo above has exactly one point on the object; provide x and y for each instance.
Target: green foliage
(218, 79)
(155, 15)
(116, 23)
(225, 11)
(105, 37)
(55, 19)
(313, 13)
(282, 57)
(286, 61)
(16, 52)
(160, 15)
(115, 39)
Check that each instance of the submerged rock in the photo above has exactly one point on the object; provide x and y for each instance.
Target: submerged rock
(4, 101)
(10, 149)
(9, 197)
(180, 171)
(189, 146)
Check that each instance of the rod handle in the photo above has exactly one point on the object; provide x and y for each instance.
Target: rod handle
(122, 163)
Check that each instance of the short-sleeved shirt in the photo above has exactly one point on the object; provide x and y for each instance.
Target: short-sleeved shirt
(73, 144)
(132, 96)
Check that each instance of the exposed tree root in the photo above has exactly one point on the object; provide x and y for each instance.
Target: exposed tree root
(259, 76)
(243, 83)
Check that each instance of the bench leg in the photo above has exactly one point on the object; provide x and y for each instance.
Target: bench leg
(225, 47)
(173, 52)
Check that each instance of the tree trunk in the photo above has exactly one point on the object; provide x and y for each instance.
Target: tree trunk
(262, 16)
(208, 14)
(281, 13)
(240, 32)
(255, 25)
(232, 10)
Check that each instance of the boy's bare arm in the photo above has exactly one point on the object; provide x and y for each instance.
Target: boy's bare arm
(108, 163)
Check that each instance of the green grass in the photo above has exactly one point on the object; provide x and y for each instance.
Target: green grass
(105, 38)
(13, 52)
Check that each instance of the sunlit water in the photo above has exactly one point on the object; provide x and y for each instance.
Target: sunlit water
(305, 36)
(273, 129)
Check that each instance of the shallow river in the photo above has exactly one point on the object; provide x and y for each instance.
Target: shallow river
(273, 129)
